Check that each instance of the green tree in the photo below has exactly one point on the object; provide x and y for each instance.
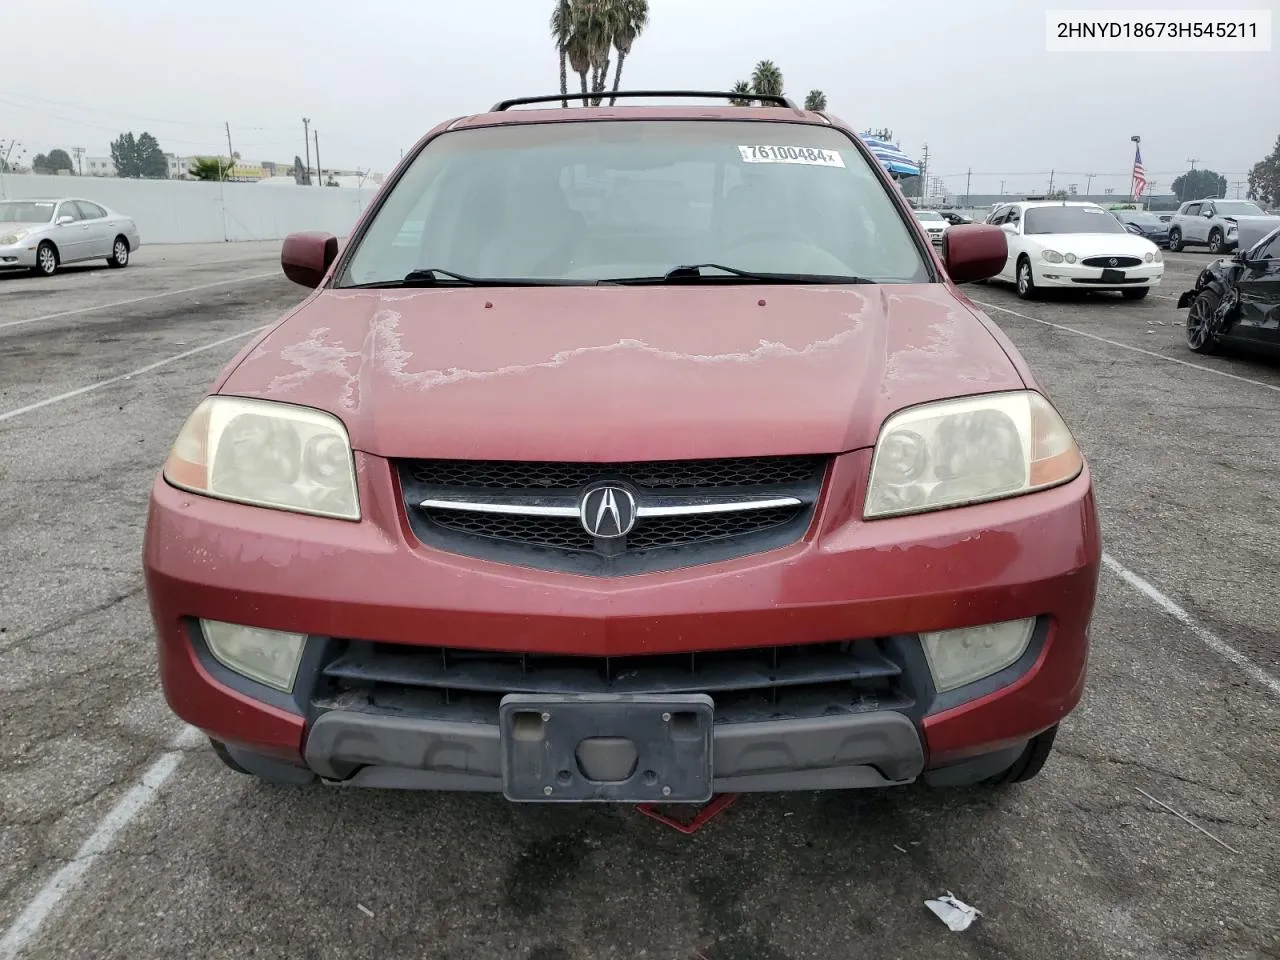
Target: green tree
(816, 101)
(139, 157)
(766, 79)
(1198, 185)
(562, 33)
(742, 94)
(598, 23)
(59, 159)
(210, 168)
(632, 16)
(1264, 178)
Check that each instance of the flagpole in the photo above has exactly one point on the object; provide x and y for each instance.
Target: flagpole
(1137, 147)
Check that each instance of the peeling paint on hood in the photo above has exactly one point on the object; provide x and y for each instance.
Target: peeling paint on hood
(619, 373)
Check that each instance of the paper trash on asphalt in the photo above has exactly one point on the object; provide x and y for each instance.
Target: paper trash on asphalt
(956, 914)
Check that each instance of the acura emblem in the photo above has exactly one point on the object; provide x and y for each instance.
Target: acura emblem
(608, 512)
(1112, 262)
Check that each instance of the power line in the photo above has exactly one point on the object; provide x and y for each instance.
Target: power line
(95, 109)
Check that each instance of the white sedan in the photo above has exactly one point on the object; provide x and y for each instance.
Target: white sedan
(1075, 245)
(935, 225)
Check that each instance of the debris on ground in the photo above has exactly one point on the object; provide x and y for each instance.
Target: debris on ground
(363, 909)
(1187, 820)
(956, 914)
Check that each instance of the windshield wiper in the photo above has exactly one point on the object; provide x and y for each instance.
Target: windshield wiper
(693, 273)
(436, 277)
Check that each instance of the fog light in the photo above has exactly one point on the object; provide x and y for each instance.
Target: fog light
(268, 656)
(957, 657)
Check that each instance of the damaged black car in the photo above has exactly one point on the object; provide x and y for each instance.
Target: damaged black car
(1236, 300)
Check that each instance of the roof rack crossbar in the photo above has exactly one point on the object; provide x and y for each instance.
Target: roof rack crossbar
(775, 99)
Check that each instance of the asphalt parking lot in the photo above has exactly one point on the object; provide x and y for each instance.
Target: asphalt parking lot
(123, 837)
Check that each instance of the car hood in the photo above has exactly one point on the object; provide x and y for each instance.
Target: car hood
(1094, 244)
(621, 373)
(7, 228)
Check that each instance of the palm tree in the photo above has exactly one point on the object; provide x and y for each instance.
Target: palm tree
(742, 97)
(816, 101)
(579, 59)
(631, 19)
(766, 79)
(596, 22)
(562, 33)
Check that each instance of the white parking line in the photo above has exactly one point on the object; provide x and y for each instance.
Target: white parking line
(79, 391)
(1125, 346)
(1209, 639)
(126, 303)
(27, 924)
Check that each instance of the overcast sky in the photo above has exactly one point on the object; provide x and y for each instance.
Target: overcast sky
(971, 78)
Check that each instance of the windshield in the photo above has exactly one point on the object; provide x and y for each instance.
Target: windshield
(25, 211)
(928, 215)
(1142, 219)
(1071, 220)
(1238, 208)
(590, 201)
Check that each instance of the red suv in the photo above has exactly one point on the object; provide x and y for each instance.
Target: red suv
(628, 454)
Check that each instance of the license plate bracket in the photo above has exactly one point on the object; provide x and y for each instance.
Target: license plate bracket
(606, 748)
(1112, 276)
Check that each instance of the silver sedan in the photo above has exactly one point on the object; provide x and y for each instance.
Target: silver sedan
(42, 235)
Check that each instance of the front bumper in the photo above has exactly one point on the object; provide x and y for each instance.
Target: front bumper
(1080, 277)
(18, 255)
(373, 586)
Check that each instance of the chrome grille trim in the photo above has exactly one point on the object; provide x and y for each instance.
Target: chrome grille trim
(648, 507)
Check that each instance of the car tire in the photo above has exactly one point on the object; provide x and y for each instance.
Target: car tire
(1175, 240)
(1024, 279)
(46, 260)
(119, 253)
(1135, 293)
(1215, 242)
(1199, 338)
(1030, 762)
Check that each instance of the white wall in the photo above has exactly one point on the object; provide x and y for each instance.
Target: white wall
(183, 211)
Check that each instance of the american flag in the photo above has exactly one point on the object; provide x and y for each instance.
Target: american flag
(1139, 173)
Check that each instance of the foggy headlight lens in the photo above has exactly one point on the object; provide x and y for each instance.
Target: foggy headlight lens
(11, 238)
(1051, 256)
(1150, 257)
(957, 657)
(1070, 258)
(267, 454)
(958, 452)
(1159, 257)
(267, 656)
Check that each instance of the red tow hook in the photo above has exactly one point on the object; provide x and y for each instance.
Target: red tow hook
(719, 803)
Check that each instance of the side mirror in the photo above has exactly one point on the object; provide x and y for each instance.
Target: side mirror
(306, 257)
(1208, 214)
(974, 251)
(63, 221)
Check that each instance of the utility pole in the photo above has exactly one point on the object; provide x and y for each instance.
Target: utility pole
(79, 152)
(319, 172)
(231, 154)
(306, 141)
(924, 172)
(1001, 189)
(1051, 173)
(1183, 189)
(1088, 183)
(968, 178)
(1237, 184)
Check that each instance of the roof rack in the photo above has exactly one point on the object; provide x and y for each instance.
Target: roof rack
(776, 99)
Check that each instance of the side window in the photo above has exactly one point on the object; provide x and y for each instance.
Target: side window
(90, 211)
(68, 209)
(1193, 210)
(998, 215)
(1209, 210)
(1015, 216)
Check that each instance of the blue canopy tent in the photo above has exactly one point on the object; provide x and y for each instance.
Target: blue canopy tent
(891, 158)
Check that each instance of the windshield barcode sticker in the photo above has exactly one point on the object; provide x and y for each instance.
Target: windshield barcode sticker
(811, 156)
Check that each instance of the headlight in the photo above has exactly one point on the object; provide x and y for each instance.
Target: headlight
(1232, 228)
(268, 656)
(958, 452)
(1159, 257)
(268, 454)
(1070, 258)
(1149, 257)
(11, 238)
(957, 657)
(1051, 256)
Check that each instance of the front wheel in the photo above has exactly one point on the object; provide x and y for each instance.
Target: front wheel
(1029, 762)
(1200, 335)
(1026, 280)
(1175, 240)
(1215, 242)
(46, 260)
(119, 253)
(1135, 293)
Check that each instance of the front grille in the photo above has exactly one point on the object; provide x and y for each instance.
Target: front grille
(1109, 283)
(657, 541)
(653, 474)
(1112, 262)
(754, 684)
